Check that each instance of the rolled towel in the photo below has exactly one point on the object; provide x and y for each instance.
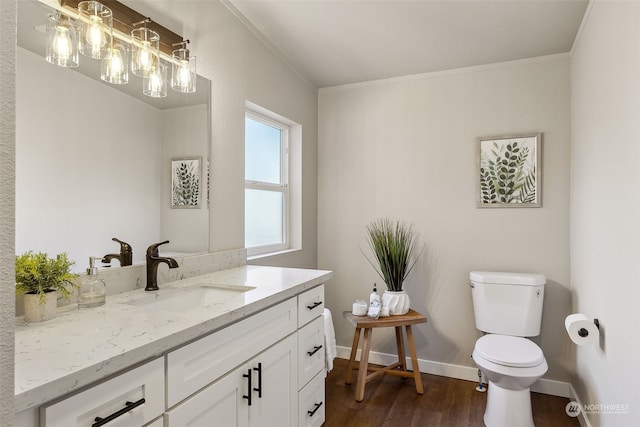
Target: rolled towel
(329, 340)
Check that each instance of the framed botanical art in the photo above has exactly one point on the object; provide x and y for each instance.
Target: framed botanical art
(509, 171)
(185, 182)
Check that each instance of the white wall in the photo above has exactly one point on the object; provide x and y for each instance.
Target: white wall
(242, 68)
(83, 175)
(406, 148)
(7, 215)
(605, 205)
(185, 133)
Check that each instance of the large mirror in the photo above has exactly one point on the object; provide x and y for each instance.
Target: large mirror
(95, 161)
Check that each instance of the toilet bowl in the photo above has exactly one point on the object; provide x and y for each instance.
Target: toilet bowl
(511, 364)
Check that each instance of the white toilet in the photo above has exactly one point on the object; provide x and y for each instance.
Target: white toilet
(508, 307)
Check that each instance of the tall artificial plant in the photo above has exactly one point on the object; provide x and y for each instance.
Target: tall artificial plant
(393, 244)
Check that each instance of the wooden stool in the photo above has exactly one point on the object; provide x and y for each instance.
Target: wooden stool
(367, 323)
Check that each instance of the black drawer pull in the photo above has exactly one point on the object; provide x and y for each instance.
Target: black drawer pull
(315, 409)
(259, 388)
(249, 390)
(128, 407)
(315, 350)
(315, 304)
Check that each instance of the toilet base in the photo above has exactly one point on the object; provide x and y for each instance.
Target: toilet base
(508, 408)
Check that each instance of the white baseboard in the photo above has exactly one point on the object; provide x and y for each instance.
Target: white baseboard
(582, 417)
(468, 373)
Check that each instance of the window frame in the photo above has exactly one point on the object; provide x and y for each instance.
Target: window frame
(282, 187)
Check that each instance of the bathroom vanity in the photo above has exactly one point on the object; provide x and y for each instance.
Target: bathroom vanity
(243, 347)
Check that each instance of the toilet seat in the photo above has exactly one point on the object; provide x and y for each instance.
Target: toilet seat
(510, 351)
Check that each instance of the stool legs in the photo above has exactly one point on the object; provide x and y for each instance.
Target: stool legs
(352, 359)
(363, 365)
(414, 361)
(400, 344)
(363, 368)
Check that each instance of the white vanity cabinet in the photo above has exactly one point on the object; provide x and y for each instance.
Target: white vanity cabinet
(133, 398)
(264, 369)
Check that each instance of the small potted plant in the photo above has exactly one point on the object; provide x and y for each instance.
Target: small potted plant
(393, 244)
(40, 279)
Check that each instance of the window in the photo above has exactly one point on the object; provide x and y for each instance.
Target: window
(267, 208)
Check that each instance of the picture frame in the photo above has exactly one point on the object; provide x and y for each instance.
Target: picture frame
(510, 171)
(186, 182)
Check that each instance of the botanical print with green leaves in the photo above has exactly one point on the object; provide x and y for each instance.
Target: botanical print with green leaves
(186, 183)
(508, 171)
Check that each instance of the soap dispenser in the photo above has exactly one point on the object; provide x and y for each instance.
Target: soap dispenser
(92, 288)
(374, 295)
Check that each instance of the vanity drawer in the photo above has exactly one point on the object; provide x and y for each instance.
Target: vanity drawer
(142, 386)
(310, 305)
(311, 351)
(198, 364)
(311, 403)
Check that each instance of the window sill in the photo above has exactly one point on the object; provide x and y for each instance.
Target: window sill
(271, 254)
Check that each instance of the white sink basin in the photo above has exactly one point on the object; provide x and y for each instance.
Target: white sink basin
(199, 296)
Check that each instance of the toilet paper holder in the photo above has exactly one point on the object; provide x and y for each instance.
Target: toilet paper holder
(583, 333)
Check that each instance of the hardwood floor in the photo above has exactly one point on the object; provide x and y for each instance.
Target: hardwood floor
(393, 402)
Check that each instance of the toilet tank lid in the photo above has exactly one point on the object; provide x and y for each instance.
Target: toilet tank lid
(507, 278)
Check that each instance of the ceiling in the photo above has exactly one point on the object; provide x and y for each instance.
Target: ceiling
(335, 42)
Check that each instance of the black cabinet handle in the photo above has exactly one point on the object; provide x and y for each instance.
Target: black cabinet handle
(248, 395)
(315, 350)
(259, 388)
(314, 305)
(99, 421)
(315, 409)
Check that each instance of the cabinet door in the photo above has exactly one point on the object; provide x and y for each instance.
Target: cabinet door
(219, 404)
(275, 383)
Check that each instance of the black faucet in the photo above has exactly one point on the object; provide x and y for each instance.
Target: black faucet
(125, 256)
(153, 260)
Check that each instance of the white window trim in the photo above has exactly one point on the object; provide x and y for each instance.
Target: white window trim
(282, 187)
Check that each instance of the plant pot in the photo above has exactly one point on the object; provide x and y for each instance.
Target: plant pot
(36, 312)
(396, 301)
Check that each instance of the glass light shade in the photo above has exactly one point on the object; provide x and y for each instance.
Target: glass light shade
(145, 51)
(155, 85)
(183, 71)
(96, 22)
(114, 68)
(62, 41)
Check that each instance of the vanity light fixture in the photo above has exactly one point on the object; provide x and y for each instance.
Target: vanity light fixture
(108, 32)
(62, 41)
(96, 26)
(183, 69)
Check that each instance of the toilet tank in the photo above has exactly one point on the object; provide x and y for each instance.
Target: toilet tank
(507, 303)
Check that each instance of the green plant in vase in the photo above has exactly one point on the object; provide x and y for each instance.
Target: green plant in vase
(40, 278)
(394, 246)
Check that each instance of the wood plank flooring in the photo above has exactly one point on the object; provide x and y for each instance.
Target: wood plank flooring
(393, 402)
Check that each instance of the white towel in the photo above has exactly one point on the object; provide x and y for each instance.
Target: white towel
(329, 340)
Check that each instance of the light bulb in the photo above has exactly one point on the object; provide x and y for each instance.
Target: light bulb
(184, 75)
(94, 36)
(117, 63)
(62, 43)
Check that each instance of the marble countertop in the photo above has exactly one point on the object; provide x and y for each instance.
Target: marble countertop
(79, 347)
